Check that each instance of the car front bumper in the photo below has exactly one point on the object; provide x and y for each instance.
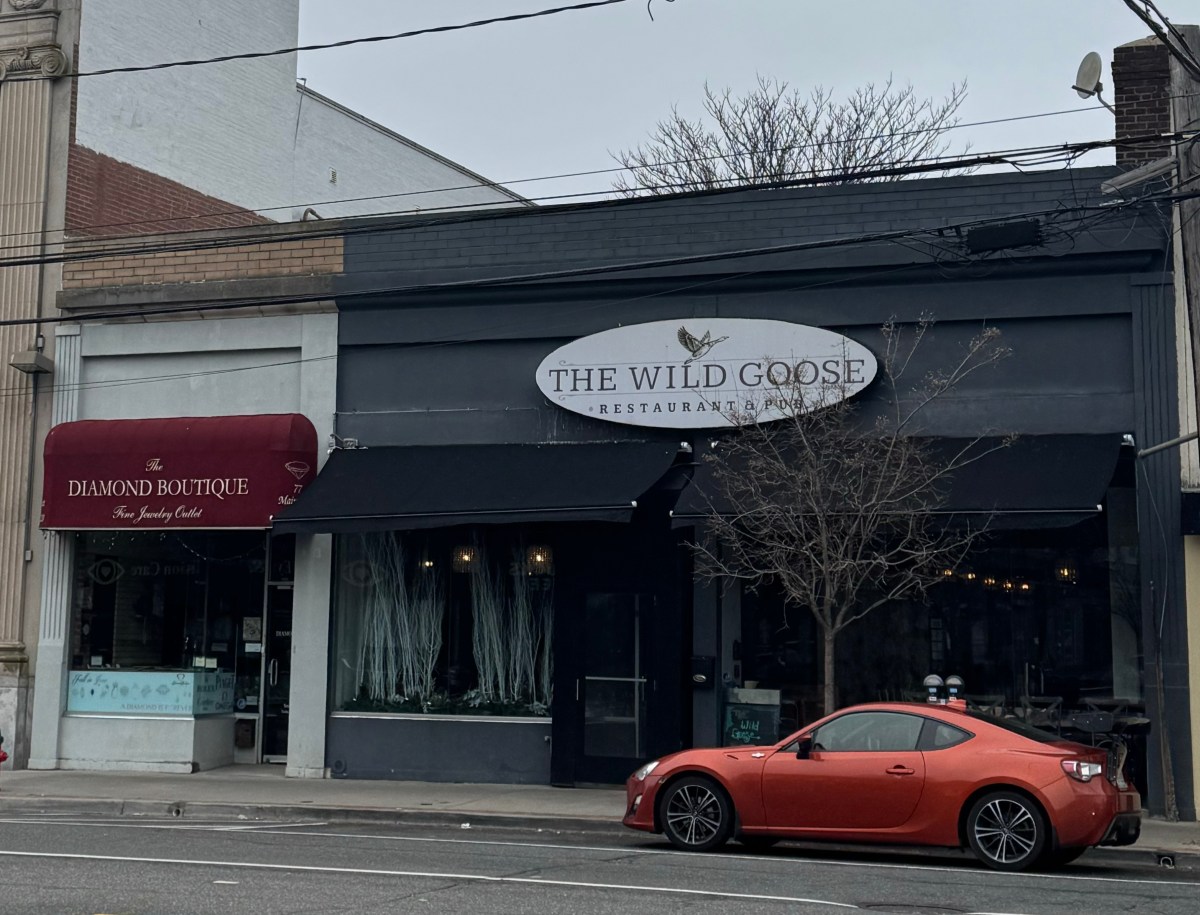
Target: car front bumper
(639, 803)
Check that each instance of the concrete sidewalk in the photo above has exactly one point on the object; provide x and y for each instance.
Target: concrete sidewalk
(263, 792)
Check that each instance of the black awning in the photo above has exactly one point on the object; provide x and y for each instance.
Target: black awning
(374, 489)
(1037, 481)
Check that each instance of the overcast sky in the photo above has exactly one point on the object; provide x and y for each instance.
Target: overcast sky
(558, 94)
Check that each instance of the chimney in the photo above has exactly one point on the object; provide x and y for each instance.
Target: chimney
(1141, 75)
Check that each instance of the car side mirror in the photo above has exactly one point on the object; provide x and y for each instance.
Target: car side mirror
(804, 747)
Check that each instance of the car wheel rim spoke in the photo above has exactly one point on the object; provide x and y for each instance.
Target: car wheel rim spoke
(694, 815)
(1006, 831)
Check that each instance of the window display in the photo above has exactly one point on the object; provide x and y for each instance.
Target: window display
(174, 603)
(444, 623)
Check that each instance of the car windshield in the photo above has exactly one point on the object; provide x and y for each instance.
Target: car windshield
(1017, 727)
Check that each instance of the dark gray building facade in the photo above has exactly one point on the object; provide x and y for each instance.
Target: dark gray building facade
(514, 595)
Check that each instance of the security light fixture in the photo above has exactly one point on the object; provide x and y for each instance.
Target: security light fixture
(1021, 233)
(1136, 176)
(32, 362)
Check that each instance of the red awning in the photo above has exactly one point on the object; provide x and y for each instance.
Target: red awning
(196, 472)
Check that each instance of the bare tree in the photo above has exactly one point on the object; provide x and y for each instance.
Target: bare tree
(838, 511)
(774, 133)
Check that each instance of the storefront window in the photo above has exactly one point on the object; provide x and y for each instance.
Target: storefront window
(164, 600)
(1051, 613)
(444, 623)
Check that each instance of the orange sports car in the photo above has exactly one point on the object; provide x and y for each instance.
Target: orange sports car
(896, 773)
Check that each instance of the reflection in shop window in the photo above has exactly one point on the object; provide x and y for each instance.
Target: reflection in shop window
(163, 599)
(439, 624)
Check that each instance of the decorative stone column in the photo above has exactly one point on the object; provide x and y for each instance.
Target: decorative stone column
(50, 685)
(31, 61)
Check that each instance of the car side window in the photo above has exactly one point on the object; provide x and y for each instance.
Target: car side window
(938, 735)
(869, 731)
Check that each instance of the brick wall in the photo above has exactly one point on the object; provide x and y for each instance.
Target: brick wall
(109, 197)
(269, 251)
(1141, 88)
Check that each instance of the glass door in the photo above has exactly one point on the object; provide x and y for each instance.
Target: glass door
(277, 673)
(613, 687)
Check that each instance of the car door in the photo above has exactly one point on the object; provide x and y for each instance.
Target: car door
(864, 772)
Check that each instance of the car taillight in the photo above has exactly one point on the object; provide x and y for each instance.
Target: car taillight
(1082, 771)
(1116, 765)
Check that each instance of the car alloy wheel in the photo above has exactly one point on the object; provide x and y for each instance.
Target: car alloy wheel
(696, 814)
(1006, 831)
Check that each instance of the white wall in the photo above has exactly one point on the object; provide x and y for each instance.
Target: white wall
(222, 129)
(229, 366)
(236, 366)
(371, 161)
(239, 131)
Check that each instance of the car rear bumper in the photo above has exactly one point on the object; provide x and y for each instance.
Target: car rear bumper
(1087, 814)
(1124, 829)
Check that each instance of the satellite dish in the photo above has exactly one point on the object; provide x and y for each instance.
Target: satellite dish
(1087, 80)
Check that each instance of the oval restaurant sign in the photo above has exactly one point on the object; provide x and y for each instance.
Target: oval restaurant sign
(697, 373)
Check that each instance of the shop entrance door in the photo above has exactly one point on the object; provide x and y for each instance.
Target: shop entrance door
(277, 673)
(617, 686)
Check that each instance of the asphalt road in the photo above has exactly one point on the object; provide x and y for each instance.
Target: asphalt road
(60, 864)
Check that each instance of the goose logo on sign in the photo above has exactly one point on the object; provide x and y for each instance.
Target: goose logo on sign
(704, 373)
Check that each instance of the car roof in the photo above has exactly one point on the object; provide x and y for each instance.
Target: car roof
(931, 709)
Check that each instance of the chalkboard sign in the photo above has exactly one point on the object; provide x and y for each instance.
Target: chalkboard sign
(751, 724)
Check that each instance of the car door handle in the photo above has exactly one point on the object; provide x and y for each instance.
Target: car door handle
(900, 770)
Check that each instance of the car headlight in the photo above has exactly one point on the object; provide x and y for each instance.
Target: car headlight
(645, 770)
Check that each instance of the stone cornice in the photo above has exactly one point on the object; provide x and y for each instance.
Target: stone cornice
(13, 653)
(28, 26)
(39, 61)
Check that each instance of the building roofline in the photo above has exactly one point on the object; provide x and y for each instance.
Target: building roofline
(1083, 177)
(412, 144)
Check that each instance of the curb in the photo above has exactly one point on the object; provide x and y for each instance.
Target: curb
(1167, 858)
(1135, 855)
(395, 816)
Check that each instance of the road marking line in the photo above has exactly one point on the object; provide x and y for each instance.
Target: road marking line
(371, 872)
(167, 824)
(631, 850)
(791, 860)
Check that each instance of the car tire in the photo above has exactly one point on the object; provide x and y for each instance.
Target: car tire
(758, 843)
(1006, 831)
(696, 814)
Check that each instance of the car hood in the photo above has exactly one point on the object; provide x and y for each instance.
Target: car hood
(708, 756)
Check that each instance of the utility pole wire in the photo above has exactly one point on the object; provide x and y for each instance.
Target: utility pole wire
(237, 211)
(255, 55)
(102, 250)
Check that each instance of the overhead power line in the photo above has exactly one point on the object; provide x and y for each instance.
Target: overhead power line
(1172, 39)
(255, 55)
(361, 226)
(507, 325)
(594, 270)
(1081, 224)
(472, 187)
